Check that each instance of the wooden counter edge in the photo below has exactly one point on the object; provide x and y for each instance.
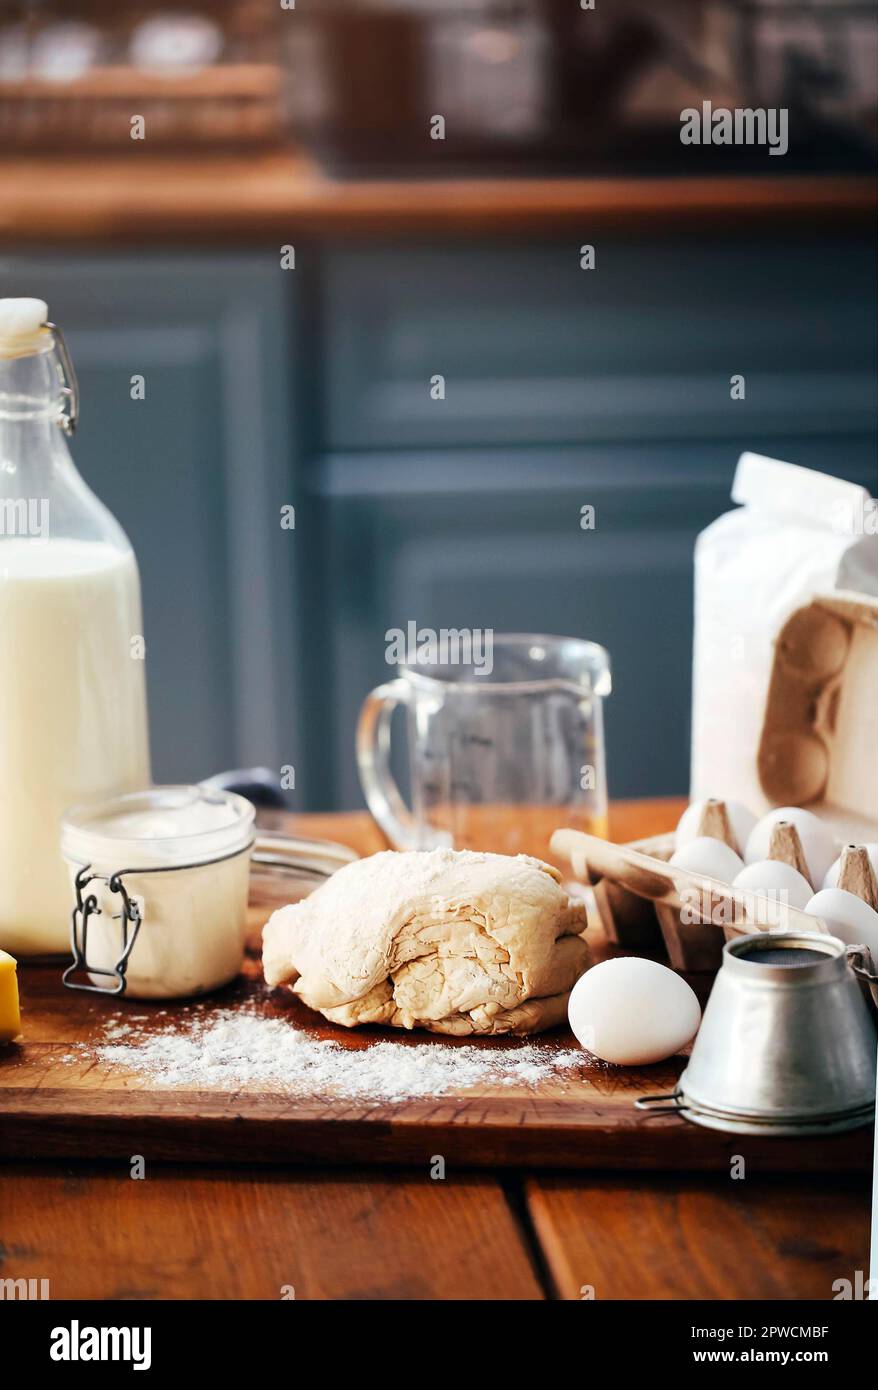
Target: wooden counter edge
(140, 198)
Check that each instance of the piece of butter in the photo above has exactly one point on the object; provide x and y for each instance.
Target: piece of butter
(10, 1017)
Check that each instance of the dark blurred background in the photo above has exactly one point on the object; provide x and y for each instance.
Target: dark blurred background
(304, 379)
(556, 83)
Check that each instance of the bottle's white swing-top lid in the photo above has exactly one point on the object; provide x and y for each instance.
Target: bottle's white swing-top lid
(22, 326)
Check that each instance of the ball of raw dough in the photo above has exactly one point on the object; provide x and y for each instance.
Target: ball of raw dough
(633, 1011)
(710, 857)
(818, 844)
(449, 940)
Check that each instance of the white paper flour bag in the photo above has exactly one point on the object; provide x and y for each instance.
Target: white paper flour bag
(796, 533)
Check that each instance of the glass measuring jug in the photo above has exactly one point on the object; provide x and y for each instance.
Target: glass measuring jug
(499, 756)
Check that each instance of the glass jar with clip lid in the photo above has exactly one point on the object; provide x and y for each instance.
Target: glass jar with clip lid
(160, 883)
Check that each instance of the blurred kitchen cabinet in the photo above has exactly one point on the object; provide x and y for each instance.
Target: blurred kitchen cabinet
(533, 349)
(565, 388)
(184, 365)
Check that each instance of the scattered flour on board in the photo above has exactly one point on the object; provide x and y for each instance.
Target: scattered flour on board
(235, 1048)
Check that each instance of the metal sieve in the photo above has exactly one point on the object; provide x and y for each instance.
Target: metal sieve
(787, 1044)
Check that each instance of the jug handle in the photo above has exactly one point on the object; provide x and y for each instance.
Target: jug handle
(373, 761)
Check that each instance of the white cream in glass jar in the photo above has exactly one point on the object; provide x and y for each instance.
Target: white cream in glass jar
(160, 883)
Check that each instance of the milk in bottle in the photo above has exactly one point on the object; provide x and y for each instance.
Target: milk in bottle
(72, 691)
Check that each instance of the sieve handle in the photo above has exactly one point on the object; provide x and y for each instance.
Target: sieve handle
(860, 961)
(671, 1103)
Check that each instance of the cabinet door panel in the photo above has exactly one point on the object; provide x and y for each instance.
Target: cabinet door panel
(533, 349)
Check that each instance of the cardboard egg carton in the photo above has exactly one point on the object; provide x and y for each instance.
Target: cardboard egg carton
(818, 748)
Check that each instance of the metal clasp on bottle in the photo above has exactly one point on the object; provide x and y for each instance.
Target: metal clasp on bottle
(70, 388)
(87, 907)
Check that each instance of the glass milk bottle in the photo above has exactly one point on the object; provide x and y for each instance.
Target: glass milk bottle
(72, 687)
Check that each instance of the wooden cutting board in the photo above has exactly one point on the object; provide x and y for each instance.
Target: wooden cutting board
(587, 1120)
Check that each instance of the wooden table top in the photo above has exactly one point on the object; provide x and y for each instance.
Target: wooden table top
(142, 198)
(94, 1232)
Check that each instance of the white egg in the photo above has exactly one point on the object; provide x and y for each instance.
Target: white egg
(771, 877)
(847, 917)
(818, 844)
(632, 1011)
(710, 857)
(831, 879)
(741, 820)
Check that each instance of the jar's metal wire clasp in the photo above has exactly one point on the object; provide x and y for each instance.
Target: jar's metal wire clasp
(70, 388)
(86, 907)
